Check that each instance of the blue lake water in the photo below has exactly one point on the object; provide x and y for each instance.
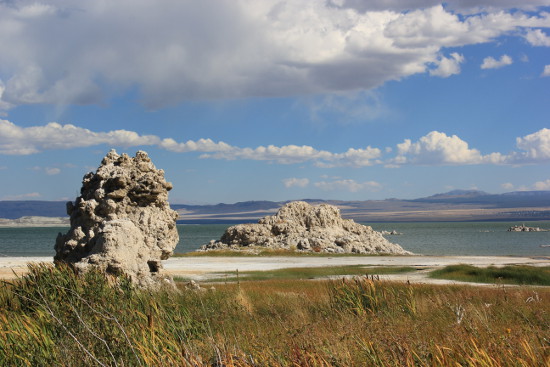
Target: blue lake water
(433, 238)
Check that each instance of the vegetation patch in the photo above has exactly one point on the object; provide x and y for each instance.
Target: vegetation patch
(53, 317)
(312, 272)
(512, 274)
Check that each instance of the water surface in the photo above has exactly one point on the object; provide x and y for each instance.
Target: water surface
(432, 238)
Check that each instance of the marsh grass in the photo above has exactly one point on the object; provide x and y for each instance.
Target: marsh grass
(51, 317)
(514, 274)
(311, 272)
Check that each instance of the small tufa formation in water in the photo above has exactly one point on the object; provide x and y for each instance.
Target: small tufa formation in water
(122, 222)
(524, 228)
(303, 227)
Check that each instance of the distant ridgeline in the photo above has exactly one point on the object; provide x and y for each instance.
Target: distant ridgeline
(37, 208)
(508, 206)
(514, 199)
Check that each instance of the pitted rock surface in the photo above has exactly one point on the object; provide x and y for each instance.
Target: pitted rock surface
(122, 222)
(303, 227)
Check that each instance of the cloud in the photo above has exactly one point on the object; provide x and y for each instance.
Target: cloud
(16, 140)
(289, 154)
(436, 148)
(346, 107)
(535, 147)
(491, 63)
(295, 182)
(466, 6)
(348, 185)
(546, 71)
(50, 171)
(538, 186)
(22, 196)
(542, 185)
(536, 37)
(256, 48)
(448, 66)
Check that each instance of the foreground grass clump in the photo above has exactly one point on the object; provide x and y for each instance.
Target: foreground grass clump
(53, 317)
(514, 274)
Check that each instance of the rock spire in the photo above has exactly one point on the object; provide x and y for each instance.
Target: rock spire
(122, 222)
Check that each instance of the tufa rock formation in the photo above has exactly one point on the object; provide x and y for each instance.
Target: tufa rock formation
(122, 222)
(303, 227)
(524, 228)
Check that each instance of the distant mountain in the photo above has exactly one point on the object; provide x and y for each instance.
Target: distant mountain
(514, 199)
(18, 209)
(456, 194)
(245, 206)
(452, 205)
(523, 194)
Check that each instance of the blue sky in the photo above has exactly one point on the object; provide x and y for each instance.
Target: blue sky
(277, 100)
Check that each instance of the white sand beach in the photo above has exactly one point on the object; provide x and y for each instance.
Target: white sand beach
(201, 268)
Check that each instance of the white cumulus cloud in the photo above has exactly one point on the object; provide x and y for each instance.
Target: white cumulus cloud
(492, 63)
(436, 148)
(448, 66)
(537, 37)
(295, 182)
(546, 71)
(176, 50)
(17, 140)
(535, 148)
(348, 185)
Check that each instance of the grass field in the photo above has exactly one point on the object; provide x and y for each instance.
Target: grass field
(310, 273)
(516, 274)
(52, 317)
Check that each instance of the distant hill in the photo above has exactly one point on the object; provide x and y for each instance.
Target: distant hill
(453, 205)
(514, 199)
(18, 209)
(245, 206)
(456, 194)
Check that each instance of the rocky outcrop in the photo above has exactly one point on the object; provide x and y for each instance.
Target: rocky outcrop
(524, 228)
(122, 222)
(302, 227)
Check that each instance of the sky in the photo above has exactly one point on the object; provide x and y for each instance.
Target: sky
(277, 100)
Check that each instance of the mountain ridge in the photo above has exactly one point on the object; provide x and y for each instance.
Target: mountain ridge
(451, 205)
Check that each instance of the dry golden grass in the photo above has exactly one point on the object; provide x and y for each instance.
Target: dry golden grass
(52, 317)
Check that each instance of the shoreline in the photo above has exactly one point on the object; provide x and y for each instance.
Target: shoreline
(204, 267)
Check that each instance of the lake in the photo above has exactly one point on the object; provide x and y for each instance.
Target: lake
(432, 238)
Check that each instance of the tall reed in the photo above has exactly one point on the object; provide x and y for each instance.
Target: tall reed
(53, 317)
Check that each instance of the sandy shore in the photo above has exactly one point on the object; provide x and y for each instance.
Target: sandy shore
(200, 268)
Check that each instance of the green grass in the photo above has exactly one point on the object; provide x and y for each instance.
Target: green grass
(53, 317)
(514, 274)
(311, 272)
